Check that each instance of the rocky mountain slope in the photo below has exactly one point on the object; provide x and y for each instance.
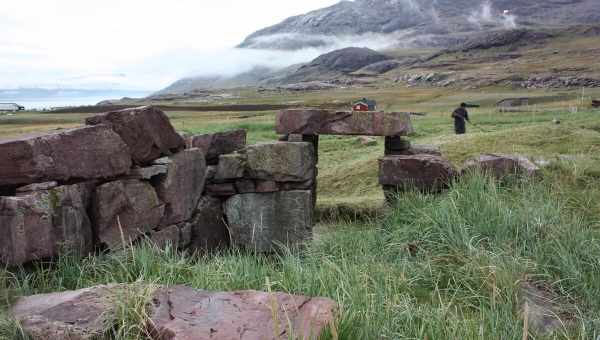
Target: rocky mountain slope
(423, 22)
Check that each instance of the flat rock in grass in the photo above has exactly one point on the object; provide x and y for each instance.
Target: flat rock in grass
(422, 172)
(177, 312)
(91, 152)
(146, 130)
(44, 224)
(324, 122)
(263, 222)
(83, 314)
(125, 210)
(543, 310)
(180, 312)
(208, 229)
(500, 166)
(280, 162)
(181, 188)
(215, 144)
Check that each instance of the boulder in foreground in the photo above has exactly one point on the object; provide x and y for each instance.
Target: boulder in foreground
(146, 130)
(91, 152)
(181, 312)
(177, 312)
(324, 122)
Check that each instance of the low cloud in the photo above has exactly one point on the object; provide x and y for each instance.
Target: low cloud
(487, 15)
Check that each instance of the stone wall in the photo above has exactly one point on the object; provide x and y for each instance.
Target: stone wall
(128, 176)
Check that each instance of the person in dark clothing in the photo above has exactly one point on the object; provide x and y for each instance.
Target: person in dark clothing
(461, 116)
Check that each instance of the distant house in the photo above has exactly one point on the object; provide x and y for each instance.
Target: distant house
(364, 105)
(11, 107)
(510, 103)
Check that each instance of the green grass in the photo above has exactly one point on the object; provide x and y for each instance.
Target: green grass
(437, 267)
(442, 266)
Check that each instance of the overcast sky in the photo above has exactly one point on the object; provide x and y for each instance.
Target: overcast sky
(132, 44)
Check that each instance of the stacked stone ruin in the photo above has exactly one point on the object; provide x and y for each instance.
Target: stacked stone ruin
(128, 175)
(403, 166)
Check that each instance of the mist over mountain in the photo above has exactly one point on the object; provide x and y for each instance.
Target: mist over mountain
(383, 25)
(417, 21)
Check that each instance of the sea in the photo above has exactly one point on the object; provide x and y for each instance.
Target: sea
(38, 99)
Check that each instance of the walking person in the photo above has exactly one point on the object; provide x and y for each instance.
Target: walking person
(461, 116)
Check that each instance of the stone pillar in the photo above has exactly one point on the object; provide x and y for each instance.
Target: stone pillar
(314, 140)
(396, 145)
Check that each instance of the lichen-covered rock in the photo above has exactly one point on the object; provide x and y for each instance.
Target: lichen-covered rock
(280, 162)
(146, 130)
(45, 223)
(215, 144)
(263, 222)
(421, 172)
(208, 228)
(91, 152)
(501, 166)
(324, 122)
(181, 312)
(125, 210)
(181, 188)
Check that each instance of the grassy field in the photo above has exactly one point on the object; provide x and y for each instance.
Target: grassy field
(445, 266)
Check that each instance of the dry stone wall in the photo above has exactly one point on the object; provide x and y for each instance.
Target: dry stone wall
(128, 175)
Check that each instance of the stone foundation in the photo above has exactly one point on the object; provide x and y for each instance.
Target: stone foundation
(129, 176)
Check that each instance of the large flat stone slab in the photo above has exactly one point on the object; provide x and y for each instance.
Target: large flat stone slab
(85, 153)
(264, 222)
(324, 122)
(176, 313)
(422, 172)
(181, 312)
(146, 130)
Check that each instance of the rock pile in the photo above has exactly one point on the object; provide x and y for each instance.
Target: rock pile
(177, 312)
(128, 175)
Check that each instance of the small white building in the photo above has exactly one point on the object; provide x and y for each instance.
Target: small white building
(11, 107)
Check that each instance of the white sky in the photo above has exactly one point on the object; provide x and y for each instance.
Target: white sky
(132, 44)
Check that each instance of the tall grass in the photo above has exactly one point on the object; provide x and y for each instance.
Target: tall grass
(437, 267)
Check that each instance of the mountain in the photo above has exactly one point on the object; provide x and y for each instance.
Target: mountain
(420, 22)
